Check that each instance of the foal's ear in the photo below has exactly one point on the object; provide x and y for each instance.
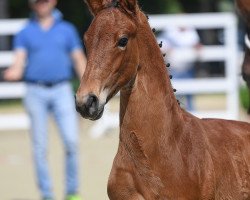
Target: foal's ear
(130, 6)
(95, 5)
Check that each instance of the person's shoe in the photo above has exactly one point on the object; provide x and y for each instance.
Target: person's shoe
(73, 197)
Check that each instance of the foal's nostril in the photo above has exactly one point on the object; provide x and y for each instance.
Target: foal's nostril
(92, 101)
(89, 106)
(92, 104)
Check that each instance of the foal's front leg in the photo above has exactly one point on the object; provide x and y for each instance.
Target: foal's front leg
(121, 186)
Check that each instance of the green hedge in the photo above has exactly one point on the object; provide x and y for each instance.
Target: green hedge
(75, 84)
(244, 97)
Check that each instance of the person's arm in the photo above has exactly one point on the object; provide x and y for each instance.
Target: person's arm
(15, 72)
(79, 61)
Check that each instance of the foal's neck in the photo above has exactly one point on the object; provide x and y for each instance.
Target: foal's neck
(149, 108)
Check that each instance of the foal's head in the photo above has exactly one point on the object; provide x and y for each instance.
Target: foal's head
(112, 54)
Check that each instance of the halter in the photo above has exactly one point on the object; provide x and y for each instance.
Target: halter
(247, 41)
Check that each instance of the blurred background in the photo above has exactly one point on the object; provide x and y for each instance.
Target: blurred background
(210, 46)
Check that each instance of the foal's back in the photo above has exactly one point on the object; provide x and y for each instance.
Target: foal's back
(227, 134)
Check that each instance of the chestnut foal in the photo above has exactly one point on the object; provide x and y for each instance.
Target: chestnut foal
(244, 9)
(164, 152)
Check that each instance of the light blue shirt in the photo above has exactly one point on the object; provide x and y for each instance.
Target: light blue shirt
(48, 51)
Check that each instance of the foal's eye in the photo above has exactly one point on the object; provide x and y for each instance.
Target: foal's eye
(123, 42)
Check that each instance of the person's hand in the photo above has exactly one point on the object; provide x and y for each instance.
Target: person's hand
(12, 74)
(15, 72)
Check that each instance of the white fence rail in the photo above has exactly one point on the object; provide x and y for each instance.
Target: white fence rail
(226, 53)
(10, 27)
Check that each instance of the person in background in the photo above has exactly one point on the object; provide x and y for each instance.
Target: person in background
(180, 38)
(45, 51)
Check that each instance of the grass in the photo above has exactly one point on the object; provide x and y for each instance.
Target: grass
(10, 105)
(244, 97)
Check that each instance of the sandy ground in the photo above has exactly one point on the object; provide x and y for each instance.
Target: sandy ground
(17, 180)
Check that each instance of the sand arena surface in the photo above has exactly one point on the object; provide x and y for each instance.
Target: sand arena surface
(17, 180)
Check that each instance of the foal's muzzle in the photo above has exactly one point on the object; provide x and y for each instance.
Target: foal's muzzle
(90, 107)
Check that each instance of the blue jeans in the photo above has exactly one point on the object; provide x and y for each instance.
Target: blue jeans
(39, 102)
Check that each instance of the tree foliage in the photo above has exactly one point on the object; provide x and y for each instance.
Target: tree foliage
(75, 11)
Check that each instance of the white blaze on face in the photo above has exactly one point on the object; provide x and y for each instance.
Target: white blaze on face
(103, 96)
